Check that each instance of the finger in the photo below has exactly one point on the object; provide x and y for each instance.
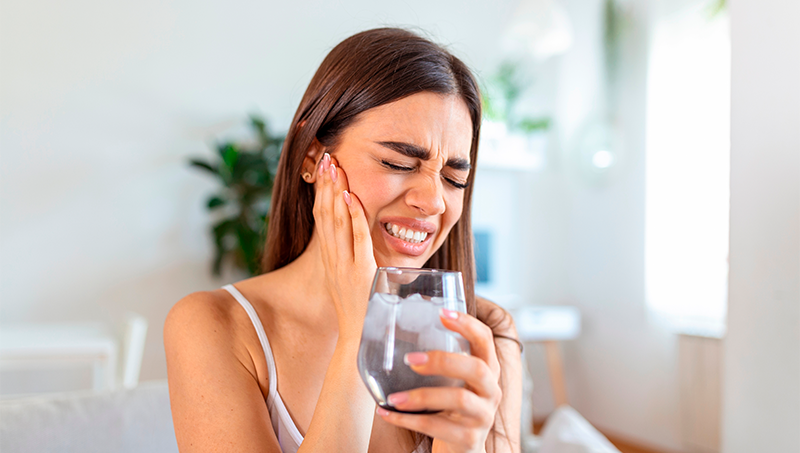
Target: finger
(459, 404)
(470, 369)
(362, 241)
(342, 222)
(478, 334)
(317, 209)
(325, 207)
(437, 426)
(318, 184)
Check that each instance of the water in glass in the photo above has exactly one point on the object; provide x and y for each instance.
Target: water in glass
(403, 317)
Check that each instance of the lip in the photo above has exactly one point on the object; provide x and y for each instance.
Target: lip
(402, 246)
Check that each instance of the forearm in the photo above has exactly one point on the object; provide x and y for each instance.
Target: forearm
(342, 420)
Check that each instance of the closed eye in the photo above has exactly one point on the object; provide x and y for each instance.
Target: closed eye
(394, 167)
(457, 184)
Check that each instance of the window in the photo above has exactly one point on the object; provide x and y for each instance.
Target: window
(688, 162)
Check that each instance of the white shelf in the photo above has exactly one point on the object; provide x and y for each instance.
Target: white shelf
(543, 323)
(521, 162)
(500, 149)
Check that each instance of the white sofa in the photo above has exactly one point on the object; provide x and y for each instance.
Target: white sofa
(137, 420)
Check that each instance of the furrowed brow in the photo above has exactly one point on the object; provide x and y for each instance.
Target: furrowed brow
(411, 150)
(457, 163)
(407, 149)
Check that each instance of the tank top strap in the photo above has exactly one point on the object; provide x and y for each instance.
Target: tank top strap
(262, 336)
(282, 422)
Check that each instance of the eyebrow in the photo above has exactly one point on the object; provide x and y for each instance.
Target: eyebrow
(418, 152)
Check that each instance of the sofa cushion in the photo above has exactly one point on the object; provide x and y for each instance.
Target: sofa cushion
(137, 420)
(566, 431)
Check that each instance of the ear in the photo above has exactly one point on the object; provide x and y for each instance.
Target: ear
(311, 161)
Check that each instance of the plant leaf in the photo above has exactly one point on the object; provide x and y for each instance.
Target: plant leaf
(223, 228)
(204, 165)
(230, 155)
(248, 247)
(216, 265)
(533, 125)
(215, 202)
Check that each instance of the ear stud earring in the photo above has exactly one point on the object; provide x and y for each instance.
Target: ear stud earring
(307, 177)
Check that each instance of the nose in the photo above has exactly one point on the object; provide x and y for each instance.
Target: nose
(427, 195)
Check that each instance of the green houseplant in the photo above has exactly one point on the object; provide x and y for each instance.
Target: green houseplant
(240, 207)
(502, 92)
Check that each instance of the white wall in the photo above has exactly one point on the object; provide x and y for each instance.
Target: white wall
(101, 103)
(761, 403)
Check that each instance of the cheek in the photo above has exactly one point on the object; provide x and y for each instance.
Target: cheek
(455, 207)
(375, 191)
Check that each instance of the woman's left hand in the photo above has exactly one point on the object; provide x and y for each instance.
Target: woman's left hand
(467, 413)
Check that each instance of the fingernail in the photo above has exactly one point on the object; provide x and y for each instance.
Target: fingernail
(381, 411)
(347, 198)
(322, 166)
(415, 358)
(448, 314)
(398, 398)
(326, 160)
(333, 173)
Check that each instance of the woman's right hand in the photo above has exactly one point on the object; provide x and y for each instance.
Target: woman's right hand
(345, 245)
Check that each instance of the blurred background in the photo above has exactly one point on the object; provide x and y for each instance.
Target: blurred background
(606, 202)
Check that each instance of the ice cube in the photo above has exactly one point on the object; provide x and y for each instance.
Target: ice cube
(386, 298)
(379, 316)
(417, 314)
(430, 339)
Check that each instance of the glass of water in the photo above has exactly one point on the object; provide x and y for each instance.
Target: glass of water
(403, 317)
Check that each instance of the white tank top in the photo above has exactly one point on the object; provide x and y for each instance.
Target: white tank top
(289, 437)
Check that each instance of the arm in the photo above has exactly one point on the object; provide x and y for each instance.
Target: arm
(216, 401)
(344, 413)
(505, 436)
(343, 417)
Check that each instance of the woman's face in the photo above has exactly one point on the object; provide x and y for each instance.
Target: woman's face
(408, 162)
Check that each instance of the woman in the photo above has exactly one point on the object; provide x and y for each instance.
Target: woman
(384, 140)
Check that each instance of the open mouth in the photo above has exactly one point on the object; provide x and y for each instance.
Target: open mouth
(405, 233)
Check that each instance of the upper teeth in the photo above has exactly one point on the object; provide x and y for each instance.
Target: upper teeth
(406, 234)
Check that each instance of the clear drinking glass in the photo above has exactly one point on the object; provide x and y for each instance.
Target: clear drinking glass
(403, 317)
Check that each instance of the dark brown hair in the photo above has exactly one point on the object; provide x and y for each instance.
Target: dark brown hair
(366, 70)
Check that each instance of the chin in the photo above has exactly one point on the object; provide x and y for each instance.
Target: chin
(401, 261)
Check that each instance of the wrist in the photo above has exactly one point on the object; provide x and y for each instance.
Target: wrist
(350, 332)
(348, 340)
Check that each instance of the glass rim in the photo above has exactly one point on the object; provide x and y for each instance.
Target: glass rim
(420, 270)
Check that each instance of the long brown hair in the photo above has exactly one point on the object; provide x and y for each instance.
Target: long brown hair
(366, 70)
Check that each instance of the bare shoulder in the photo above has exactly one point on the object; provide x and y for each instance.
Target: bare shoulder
(206, 312)
(208, 325)
(496, 317)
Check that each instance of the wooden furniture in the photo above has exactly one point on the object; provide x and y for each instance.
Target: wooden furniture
(549, 325)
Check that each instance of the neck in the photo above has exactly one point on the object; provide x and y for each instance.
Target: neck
(306, 275)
